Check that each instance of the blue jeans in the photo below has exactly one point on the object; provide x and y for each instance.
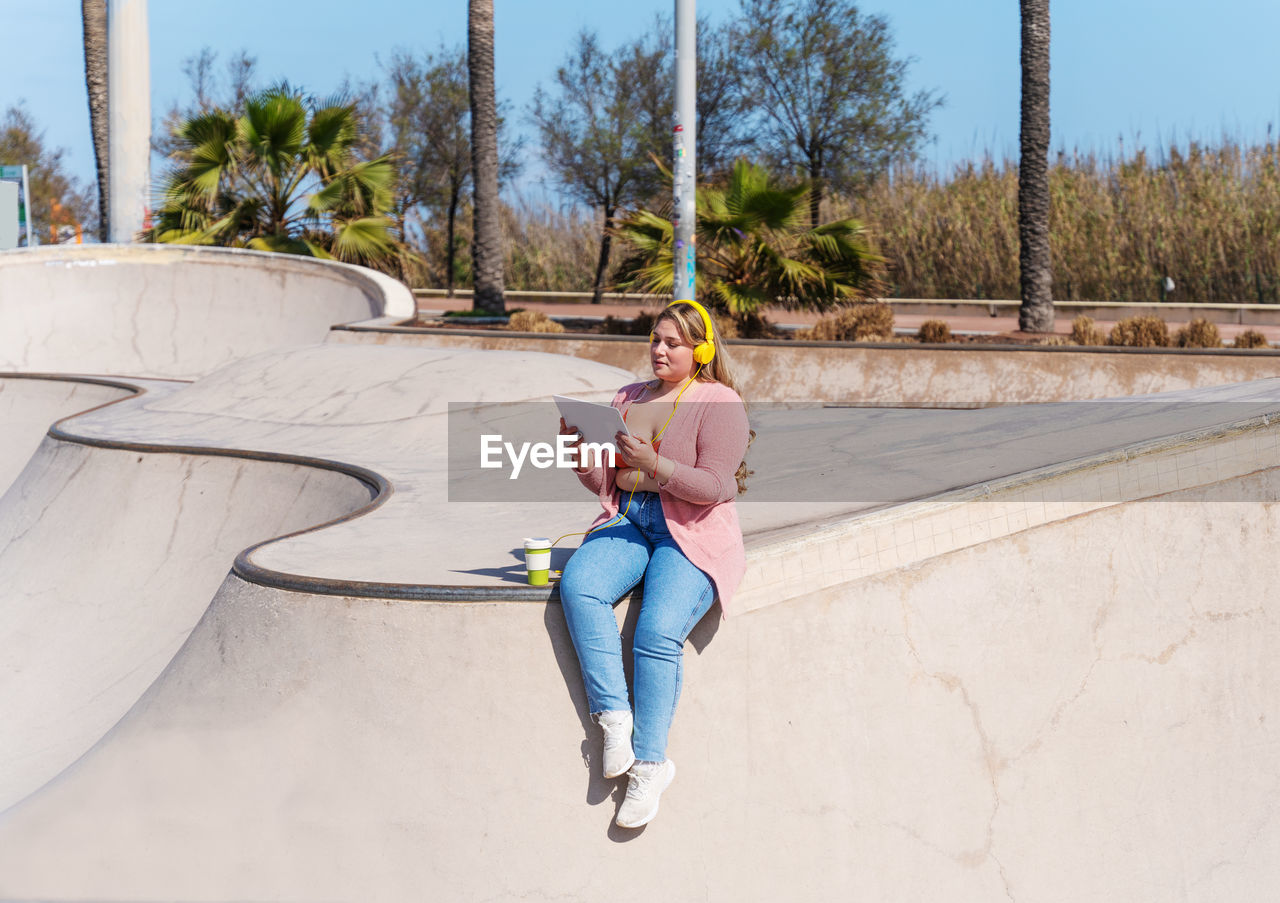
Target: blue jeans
(611, 561)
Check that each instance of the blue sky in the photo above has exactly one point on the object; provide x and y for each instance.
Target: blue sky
(1143, 71)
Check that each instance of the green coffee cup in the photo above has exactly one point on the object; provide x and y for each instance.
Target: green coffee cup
(537, 561)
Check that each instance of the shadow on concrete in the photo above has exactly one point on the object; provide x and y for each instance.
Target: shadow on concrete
(515, 573)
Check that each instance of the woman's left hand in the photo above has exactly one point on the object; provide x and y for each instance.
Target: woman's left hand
(636, 452)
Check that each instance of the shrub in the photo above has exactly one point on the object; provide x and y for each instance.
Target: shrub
(640, 324)
(1140, 332)
(1251, 338)
(745, 326)
(1199, 333)
(1083, 332)
(533, 321)
(860, 323)
(476, 312)
(934, 332)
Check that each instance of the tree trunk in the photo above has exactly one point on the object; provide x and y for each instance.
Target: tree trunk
(814, 199)
(602, 265)
(486, 239)
(450, 249)
(93, 16)
(815, 192)
(1036, 313)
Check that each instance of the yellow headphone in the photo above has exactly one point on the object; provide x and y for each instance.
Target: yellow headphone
(704, 351)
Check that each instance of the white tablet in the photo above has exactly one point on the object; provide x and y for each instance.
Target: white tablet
(598, 423)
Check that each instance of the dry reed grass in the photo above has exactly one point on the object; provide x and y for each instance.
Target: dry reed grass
(1084, 332)
(532, 321)
(1140, 332)
(1206, 216)
(544, 249)
(1199, 333)
(547, 249)
(1251, 338)
(860, 323)
(934, 332)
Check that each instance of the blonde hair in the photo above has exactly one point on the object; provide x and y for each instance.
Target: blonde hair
(689, 323)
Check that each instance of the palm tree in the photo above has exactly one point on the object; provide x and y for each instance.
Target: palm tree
(282, 176)
(1036, 313)
(486, 242)
(756, 247)
(93, 15)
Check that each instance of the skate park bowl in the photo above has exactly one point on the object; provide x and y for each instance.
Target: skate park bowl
(254, 648)
(177, 312)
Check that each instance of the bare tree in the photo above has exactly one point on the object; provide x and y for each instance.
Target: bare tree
(486, 241)
(429, 113)
(58, 199)
(93, 15)
(830, 95)
(208, 93)
(1036, 312)
(608, 114)
(722, 105)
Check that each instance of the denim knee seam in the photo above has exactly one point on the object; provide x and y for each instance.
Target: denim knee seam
(688, 629)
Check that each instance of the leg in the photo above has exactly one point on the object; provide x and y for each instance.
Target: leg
(676, 596)
(608, 563)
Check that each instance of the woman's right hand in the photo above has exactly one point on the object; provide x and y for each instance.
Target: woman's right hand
(576, 444)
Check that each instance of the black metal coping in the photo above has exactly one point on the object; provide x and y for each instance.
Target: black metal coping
(90, 380)
(380, 489)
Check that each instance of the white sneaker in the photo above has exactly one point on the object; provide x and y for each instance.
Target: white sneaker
(648, 780)
(618, 756)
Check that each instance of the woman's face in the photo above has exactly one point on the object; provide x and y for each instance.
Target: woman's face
(670, 355)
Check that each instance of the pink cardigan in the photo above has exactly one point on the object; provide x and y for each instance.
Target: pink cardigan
(707, 439)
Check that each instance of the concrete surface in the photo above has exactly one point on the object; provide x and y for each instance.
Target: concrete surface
(1024, 652)
(1061, 714)
(899, 375)
(29, 405)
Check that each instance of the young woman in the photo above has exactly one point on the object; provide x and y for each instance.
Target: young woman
(669, 518)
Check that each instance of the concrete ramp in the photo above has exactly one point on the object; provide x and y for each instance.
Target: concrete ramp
(1073, 711)
(30, 405)
(171, 311)
(108, 558)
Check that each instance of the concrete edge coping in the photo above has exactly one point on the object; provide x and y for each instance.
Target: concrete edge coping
(394, 297)
(991, 489)
(109, 381)
(807, 343)
(796, 540)
(976, 303)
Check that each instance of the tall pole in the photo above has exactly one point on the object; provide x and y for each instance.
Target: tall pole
(129, 114)
(684, 194)
(27, 215)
